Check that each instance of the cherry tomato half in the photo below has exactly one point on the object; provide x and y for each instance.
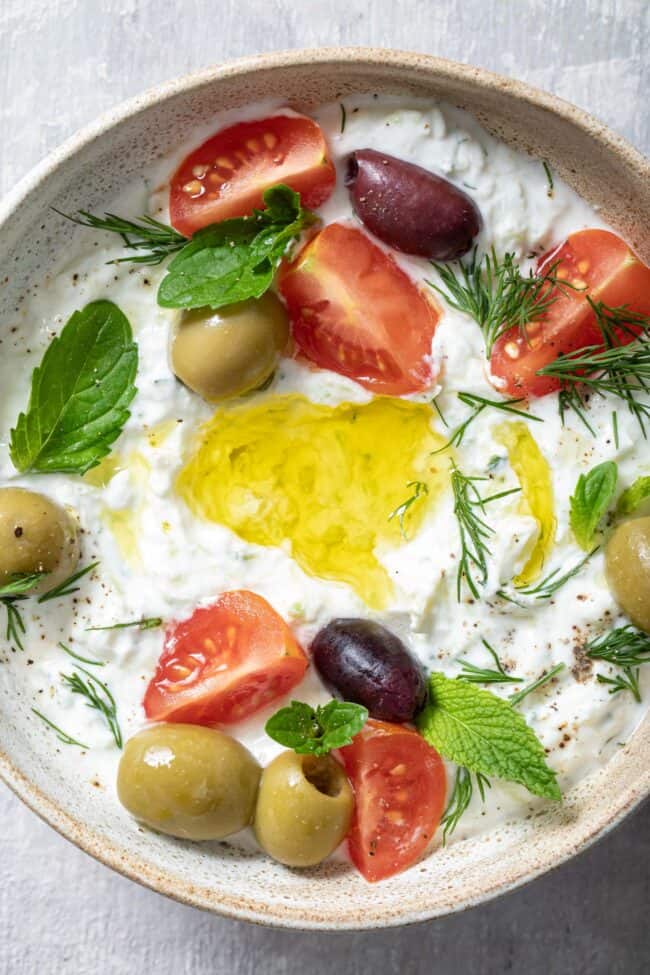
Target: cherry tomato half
(399, 784)
(354, 311)
(604, 267)
(227, 175)
(225, 662)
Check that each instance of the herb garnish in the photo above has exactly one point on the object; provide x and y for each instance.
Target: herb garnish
(483, 733)
(477, 404)
(21, 587)
(480, 675)
(624, 647)
(150, 623)
(460, 798)
(237, 259)
(549, 178)
(147, 234)
(11, 593)
(419, 490)
(79, 394)
(633, 496)
(83, 660)
(474, 531)
(60, 734)
(622, 371)
(496, 294)
(518, 696)
(550, 584)
(434, 403)
(463, 790)
(97, 697)
(68, 586)
(223, 263)
(316, 731)
(590, 500)
(343, 117)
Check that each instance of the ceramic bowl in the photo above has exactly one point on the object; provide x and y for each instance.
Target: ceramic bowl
(86, 172)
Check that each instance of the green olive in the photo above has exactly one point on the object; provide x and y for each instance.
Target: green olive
(304, 808)
(36, 535)
(231, 351)
(188, 781)
(627, 561)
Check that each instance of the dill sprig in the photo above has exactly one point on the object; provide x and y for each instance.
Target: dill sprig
(480, 675)
(627, 680)
(461, 797)
(150, 623)
(11, 593)
(67, 587)
(469, 507)
(146, 234)
(97, 697)
(621, 370)
(21, 583)
(518, 696)
(477, 404)
(550, 584)
(624, 647)
(549, 178)
(436, 406)
(20, 587)
(83, 660)
(419, 490)
(60, 734)
(496, 294)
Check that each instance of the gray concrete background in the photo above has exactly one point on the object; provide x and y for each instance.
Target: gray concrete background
(61, 63)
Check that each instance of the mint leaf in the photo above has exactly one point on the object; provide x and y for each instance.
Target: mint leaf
(310, 731)
(633, 496)
(237, 259)
(79, 395)
(482, 732)
(593, 494)
(340, 722)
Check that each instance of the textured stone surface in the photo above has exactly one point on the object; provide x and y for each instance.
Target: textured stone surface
(61, 63)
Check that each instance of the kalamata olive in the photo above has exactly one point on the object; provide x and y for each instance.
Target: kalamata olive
(225, 353)
(36, 535)
(304, 808)
(188, 781)
(410, 208)
(627, 561)
(366, 663)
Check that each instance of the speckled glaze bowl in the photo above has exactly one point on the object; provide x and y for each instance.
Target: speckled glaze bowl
(85, 173)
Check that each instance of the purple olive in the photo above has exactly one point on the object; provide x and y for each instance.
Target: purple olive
(410, 208)
(367, 664)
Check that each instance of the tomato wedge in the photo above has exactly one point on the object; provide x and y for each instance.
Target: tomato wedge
(227, 175)
(400, 784)
(225, 662)
(354, 311)
(601, 264)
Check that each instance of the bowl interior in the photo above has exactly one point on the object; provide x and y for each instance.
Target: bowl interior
(87, 172)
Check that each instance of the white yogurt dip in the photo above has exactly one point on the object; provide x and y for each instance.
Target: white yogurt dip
(157, 559)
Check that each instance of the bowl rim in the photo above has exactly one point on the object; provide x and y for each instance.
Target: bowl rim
(109, 852)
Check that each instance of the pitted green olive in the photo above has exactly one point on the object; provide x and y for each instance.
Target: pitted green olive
(304, 808)
(188, 781)
(231, 351)
(36, 535)
(627, 560)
